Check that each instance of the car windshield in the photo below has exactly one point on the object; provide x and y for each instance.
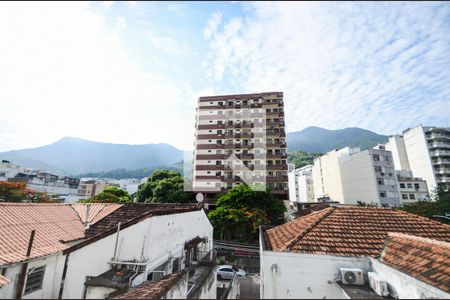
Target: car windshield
(236, 269)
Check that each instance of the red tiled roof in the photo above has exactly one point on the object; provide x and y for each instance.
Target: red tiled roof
(424, 259)
(54, 224)
(4, 281)
(350, 231)
(93, 212)
(151, 290)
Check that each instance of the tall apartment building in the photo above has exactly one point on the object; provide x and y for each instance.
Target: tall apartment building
(349, 175)
(427, 152)
(240, 138)
(301, 187)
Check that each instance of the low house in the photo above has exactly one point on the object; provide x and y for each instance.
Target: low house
(94, 250)
(305, 257)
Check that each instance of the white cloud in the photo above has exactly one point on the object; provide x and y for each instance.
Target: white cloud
(380, 66)
(212, 25)
(64, 73)
(169, 45)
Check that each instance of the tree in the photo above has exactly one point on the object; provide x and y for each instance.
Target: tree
(164, 186)
(241, 210)
(302, 158)
(438, 205)
(110, 194)
(18, 192)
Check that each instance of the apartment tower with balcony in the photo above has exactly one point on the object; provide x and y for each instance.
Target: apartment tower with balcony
(240, 139)
(425, 151)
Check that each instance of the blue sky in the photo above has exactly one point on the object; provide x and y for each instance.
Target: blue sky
(130, 72)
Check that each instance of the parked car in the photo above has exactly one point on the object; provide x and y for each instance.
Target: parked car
(228, 271)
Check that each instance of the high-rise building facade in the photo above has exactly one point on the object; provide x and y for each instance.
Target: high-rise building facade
(426, 153)
(240, 138)
(349, 176)
(301, 187)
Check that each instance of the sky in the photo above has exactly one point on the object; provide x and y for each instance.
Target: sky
(131, 72)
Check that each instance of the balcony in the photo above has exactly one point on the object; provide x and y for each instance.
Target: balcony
(209, 167)
(440, 153)
(276, 155)
(277, 167)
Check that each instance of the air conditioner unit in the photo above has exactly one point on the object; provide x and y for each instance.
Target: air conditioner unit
(352, 276)
(379, 286)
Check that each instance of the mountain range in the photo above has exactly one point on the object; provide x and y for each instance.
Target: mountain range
(74, 156)
(316, 139)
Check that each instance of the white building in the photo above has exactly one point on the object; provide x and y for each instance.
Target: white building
(426, 152)
(301, 187)
(349, 176)
(90, 251)
(411, 189)
(302, 259)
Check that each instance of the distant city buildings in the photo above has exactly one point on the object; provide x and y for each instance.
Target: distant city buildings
(425, 151)
(240, 138)
(411, 189)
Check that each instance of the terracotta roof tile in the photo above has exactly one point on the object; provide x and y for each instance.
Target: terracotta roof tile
(424, 259)
(4, 281)
(54, 224)
(130, 213)
(151, 290)
(350, 231)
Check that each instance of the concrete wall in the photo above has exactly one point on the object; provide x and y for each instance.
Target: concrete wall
(419, 157)
(163, 235)
(301, 275)
(326, 176)
(396, 145)
(405, 286)
(52, 278)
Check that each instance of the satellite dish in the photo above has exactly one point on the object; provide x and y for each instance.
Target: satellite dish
(199, 197)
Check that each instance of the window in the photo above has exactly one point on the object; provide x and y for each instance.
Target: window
(409, 185)
(383, 195)
(377, 169)
(2, 174)
(416, 186)
(405, 196)
(380, 181)
(35, 278)
(376, 157)
(412, 196)
(402, 185)
(387, 158)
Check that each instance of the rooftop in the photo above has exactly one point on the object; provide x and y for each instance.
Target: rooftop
(150, 290)
(424, 259)
(56, 224)
(350, 231)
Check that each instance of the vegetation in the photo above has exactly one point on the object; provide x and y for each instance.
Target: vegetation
(110, 194)
(241, 210)
(439, 204)
(137, 174)
(18, 192)
(302, 158)
(164, 186)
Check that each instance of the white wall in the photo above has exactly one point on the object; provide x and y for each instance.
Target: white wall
(164, 235)
(396, 145)
(419, 157)
(405, 286)
(54, 265)
(304, 275)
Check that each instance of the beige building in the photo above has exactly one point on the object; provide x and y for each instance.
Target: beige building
(349, 176)
(426, 152)
(90, 188)
(240, 138)
(411, 189)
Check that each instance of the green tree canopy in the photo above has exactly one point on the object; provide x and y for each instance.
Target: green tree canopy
(241, 210)
(438, 205)
(110, 194)
(302, 158)
(164, 186)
